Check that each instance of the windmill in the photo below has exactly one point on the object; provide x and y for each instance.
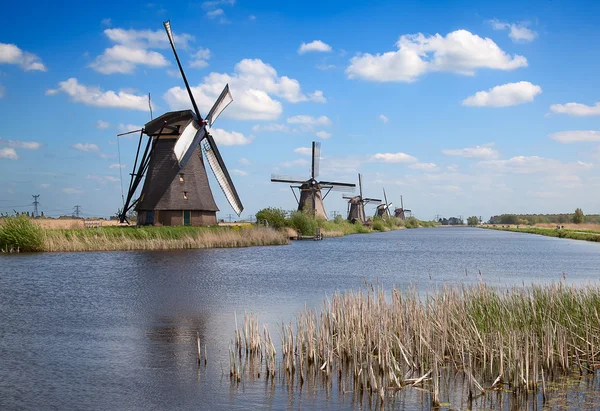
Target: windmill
(311, 198)
(401, 212)
(356, 204)
(176, 189)
(383, 210)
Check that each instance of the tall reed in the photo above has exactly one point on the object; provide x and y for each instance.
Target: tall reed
(159, 238)
(516, 339)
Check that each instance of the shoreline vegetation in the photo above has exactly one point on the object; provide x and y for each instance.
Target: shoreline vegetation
(302, 223)
(23, 234)
(570, 233)
(520, 340)
(20, 234)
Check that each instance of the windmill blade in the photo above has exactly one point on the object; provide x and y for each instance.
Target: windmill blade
(348, 197)
(337, 188)
(221, 104)
(167, 25)
(316, 158)
(360, 184)
(371, 200)
(350, 186)
(385, 197)
(276, 178)
(388, 206)
(221, 174)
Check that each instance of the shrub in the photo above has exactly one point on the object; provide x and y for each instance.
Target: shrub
(411, 222)
(303, 223)
(379, 225)
(20, 234)
(274, 216)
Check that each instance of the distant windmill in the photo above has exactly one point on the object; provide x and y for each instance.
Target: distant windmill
(356, 204)
(311, 198)
(401, 212)
(176, 189)
(383, 210)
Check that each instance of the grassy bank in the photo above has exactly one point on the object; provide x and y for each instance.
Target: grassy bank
(516, 339)
(19, 234)
(586, 235)
(305, 224)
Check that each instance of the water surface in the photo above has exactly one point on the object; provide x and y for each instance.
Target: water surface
(117, 330)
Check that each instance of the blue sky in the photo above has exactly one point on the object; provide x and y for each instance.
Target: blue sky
(464, 108)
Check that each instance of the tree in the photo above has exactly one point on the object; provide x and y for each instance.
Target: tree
(275, 217)
(473, 220)
(578, 217)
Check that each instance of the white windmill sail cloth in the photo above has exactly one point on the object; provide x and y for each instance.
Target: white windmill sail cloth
(224, 183)
(221, 104)
(186, 143)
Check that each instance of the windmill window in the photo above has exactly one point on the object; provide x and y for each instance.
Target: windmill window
(185, 197)
(181, 177)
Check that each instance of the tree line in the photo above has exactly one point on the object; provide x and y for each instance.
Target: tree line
(531, 219)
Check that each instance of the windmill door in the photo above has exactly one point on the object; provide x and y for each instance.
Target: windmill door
(150, 217)
(187, 217)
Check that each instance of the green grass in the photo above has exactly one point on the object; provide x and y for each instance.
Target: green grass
(586, 235)
(20, 234)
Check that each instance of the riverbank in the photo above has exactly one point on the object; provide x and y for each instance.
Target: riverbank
(573, 234)
(21, 235)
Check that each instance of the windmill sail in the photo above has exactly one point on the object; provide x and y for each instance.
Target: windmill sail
(316, 156)
(221, 104)
(221, 174)
(210, 147)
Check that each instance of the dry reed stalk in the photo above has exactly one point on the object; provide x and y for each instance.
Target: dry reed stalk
(485, 334)
(100, 240)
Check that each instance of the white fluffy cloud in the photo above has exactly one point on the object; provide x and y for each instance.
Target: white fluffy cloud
(424, 166)
(215, 13)
(132, 49)
(27, 145)
(323, 134)
(228, 138)
(11, 54)
(316, 45)
(117, 165)
(473, 152)
(383, 118)
(124, 59)
(576, 136)
(87, 147)
(309, 120)
(576, 109)
(94, 96)
(458, 52)
(393, 158)
(201, 58)
(244, 161)
(533, 165)
(8, 153)
(271, 128)
(511, 94)
(102, 124)
(518, 32)
(239, 172)
(305, 151)
(253, 85)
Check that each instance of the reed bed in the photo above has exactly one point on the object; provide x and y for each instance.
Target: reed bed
(159, 238)
(518, 339)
